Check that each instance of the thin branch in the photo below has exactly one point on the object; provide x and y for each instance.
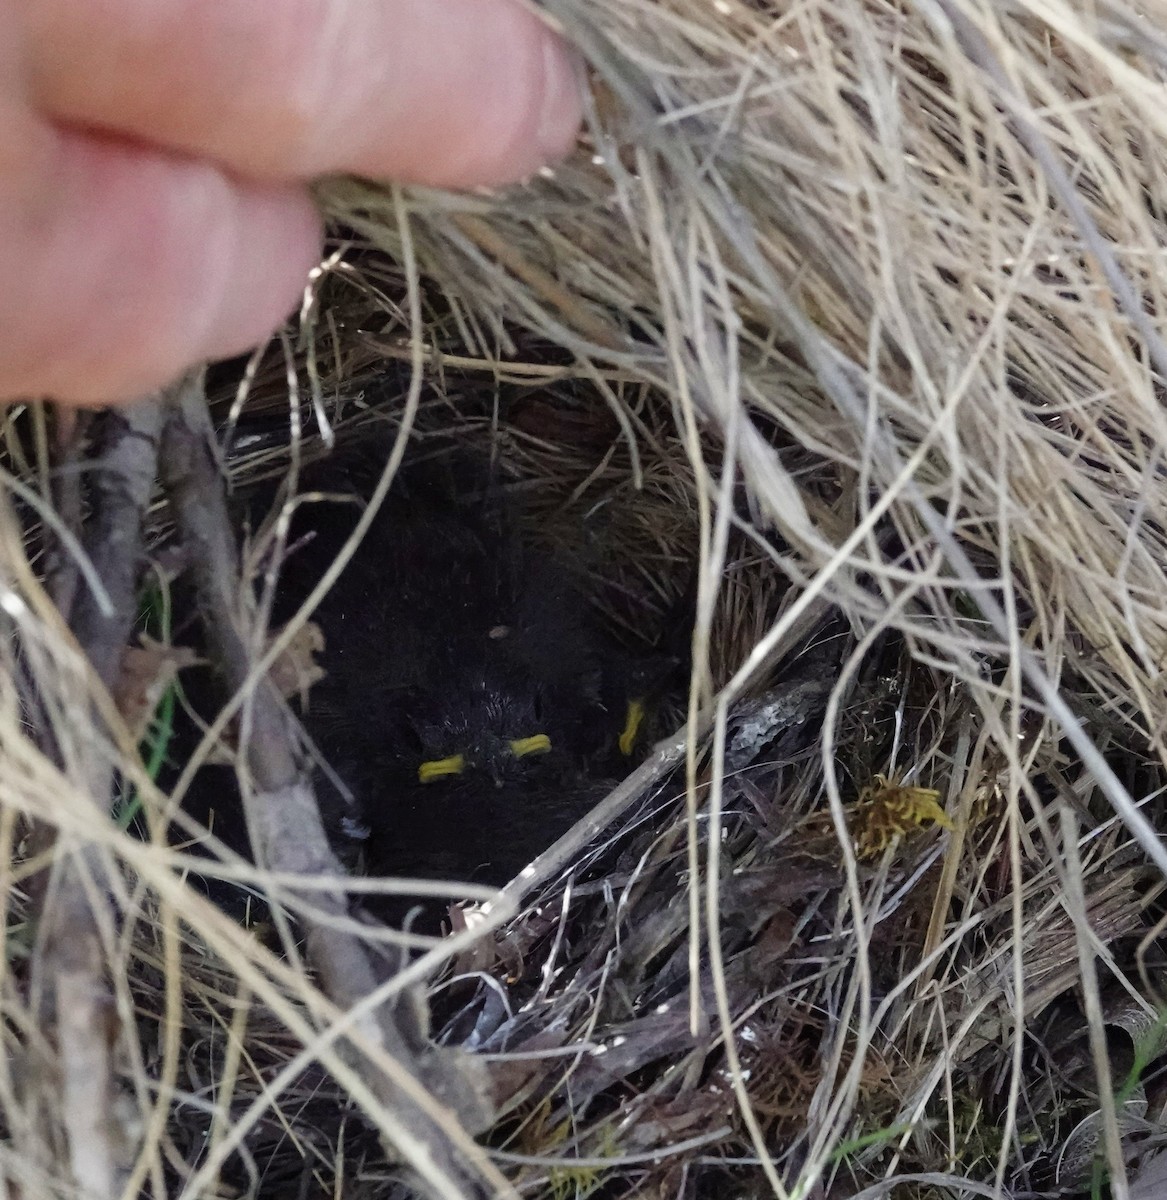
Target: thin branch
(121, 488)
(288, 835)
(77, 905)
(63, 569)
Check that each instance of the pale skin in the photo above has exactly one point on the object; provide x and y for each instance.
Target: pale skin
(155, 157)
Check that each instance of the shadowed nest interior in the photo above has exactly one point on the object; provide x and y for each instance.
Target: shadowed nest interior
(840, 335)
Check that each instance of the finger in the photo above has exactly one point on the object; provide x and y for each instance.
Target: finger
(448, 92)
(123, 266)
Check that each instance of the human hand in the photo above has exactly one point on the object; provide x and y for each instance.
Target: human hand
(154, 157)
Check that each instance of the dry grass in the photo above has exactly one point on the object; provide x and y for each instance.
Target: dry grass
(846, 315)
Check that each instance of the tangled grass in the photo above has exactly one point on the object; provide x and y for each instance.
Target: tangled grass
(845, 321)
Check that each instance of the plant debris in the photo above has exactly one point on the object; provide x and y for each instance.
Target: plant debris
(831, 364)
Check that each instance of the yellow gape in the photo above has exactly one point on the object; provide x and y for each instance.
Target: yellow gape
(632, 724)
(438, 767)
(538, 743)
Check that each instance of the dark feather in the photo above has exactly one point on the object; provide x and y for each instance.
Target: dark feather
(446, 637)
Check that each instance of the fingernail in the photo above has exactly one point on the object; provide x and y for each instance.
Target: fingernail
(562, 104)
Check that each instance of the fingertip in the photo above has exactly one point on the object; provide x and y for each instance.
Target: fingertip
(451, 93)
(270, 245)
(561, 110)
(135, 265)
(501, 126)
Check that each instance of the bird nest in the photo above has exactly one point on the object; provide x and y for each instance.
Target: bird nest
(839, 333)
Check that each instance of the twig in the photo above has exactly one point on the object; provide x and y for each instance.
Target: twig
(287, 833)
(77, 904)
(121, 488)
(630, 790)
(63, 570)
(785, 706)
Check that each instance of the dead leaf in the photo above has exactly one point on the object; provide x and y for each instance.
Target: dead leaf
(778, 935)
(146, 672)
(1150, 1181)
(293, 673)
(296, 669)
(479, 955)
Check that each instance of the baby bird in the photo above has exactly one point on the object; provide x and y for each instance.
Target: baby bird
(470, 704)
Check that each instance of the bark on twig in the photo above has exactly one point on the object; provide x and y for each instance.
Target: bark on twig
(70, 959)
(121, 487)
(63, 573)
(284, 820)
